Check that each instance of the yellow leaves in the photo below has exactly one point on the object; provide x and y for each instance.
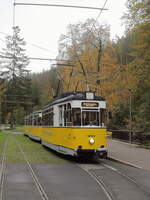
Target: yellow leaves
(111, 82)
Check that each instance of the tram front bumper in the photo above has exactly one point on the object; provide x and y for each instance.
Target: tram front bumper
(100, 152)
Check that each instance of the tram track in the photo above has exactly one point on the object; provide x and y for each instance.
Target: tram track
(100, 171)
(100, 182)
(105, 187)
(103, 182)
(33, 175)
(2, 169)
(119, 172)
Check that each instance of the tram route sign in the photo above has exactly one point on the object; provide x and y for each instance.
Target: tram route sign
(90, 104)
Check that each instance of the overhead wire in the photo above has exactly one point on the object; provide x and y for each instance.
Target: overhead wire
(57, 5)
(38, 46)
(3, 33)
(2, 40)
(32, 4)
(84, 72)
(101, 11)
(35, 45)
(103, 8)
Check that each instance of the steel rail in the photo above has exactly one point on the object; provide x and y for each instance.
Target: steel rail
(127, 177)
(100, 182)
(33, 175)
(2, 170)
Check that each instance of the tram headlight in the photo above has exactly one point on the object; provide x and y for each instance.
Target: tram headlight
(91, 140)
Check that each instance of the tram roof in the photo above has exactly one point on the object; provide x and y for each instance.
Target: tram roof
(69, 96)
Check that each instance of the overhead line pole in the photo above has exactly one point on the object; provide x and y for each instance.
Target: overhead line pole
(14, 14)
(57, 5)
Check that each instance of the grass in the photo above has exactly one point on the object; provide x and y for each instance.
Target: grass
(3, 137)
(146, 145)
(34, 151)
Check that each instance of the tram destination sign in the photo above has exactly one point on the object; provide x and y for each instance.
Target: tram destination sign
(90, 104)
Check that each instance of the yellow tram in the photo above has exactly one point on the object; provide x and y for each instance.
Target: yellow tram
(73, 123)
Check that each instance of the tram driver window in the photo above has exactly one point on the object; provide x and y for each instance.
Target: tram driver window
(90, 118)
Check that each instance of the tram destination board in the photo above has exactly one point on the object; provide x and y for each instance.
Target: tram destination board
(90, 104)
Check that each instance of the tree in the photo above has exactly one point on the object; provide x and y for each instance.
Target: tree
(133, 53)
(138, 16)
(82, 41)
(44, 86)
(96, 62)
(16, 88)
(137, 13)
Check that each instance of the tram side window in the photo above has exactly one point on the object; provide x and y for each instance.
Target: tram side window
(103, 117)
(60, 115)
(65, 115)
(35, 121)
(47, 117)
(65, 111)
(76, 116)
(30, 121)
(39, 121)
(51, 118)
(68, 115)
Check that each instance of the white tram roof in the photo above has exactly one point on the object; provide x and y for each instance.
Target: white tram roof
(66, 97)
(69, 96)
(38, 112)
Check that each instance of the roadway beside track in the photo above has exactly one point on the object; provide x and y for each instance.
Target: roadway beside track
(129, 154)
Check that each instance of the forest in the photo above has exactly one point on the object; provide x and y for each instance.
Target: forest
(117, 69)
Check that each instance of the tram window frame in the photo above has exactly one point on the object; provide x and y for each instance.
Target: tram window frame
(48, 117)
(89, 115)
(65, 115)
(68, 115)
(30, 120)
(60, 115)
(103, 117)
(76, 119)
(37, 120)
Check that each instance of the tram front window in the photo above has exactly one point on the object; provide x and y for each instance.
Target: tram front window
(90, 118)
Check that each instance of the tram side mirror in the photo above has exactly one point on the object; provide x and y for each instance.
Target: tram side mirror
(109, 115)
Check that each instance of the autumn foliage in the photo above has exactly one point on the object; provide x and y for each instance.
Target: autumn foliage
(118, 70)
